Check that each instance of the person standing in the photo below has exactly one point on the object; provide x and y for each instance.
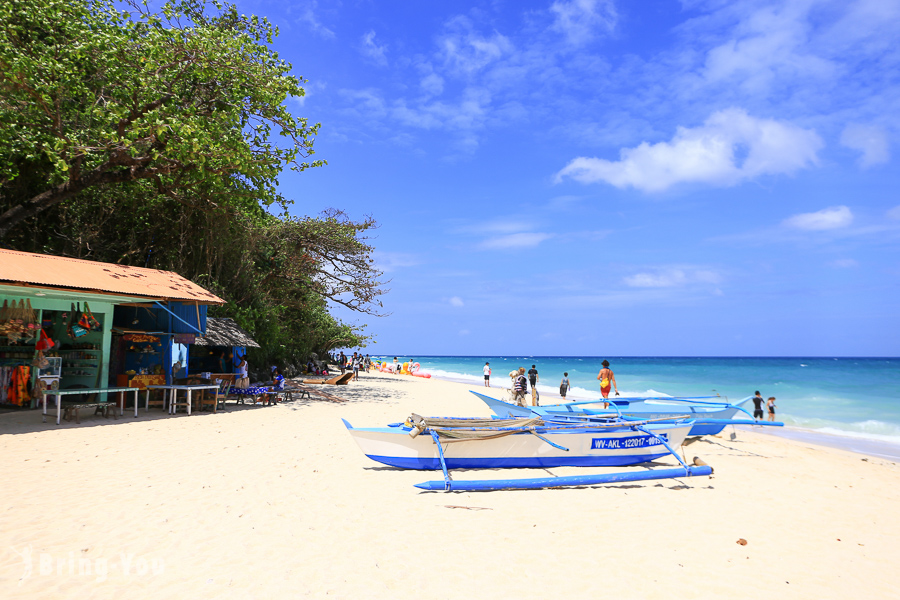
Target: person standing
(342, 362)
(757, 406)
(771, 404)
(607, 379)
(368, 363)
(242, 380)
(396, 366)
(357, 359)
(533, 376)
(564, 385)
(521, 387)
(487, 374)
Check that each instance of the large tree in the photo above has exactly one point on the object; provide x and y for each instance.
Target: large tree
(92, 96)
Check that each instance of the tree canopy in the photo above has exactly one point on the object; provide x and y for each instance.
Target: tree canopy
(91, 95)
(156, 139)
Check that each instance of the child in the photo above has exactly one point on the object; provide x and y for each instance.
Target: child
(771, 404)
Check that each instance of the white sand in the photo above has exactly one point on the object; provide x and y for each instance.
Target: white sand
(279, 502)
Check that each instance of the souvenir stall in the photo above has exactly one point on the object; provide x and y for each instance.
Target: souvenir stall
(57, 318)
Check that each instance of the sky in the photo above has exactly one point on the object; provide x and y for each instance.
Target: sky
(602, 177)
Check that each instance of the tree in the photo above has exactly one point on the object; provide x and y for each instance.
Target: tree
(92, 96)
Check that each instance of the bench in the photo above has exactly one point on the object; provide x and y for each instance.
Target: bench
(99, 408)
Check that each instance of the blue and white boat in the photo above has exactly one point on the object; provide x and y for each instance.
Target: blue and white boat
(709, 418)
(440, 443)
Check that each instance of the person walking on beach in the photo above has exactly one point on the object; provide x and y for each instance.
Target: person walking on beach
(487, 374)
(396, 366)
(757, 406)
(771, 404)
(355, 363)
(607, 378)
(521, 387)
(564, 385)
(342, 362)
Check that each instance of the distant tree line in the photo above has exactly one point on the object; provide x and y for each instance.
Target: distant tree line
(155, 139)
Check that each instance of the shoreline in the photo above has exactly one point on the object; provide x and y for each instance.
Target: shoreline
(851, 443)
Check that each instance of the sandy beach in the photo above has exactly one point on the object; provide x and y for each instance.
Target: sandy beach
(279, 502)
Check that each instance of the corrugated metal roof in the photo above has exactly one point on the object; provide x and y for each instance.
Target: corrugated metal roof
(221, 331)
(61, 272)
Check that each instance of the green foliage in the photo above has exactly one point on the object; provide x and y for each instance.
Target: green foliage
(90, 95)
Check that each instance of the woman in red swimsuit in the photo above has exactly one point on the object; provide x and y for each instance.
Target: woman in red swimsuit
(607, 379)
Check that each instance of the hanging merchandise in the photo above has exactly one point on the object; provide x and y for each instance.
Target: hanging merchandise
(40, 361)
(29, 321)
(74, 329)
(88, 320)
(44, 342)
(14, 324)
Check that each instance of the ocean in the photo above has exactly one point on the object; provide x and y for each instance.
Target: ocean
(852, 401)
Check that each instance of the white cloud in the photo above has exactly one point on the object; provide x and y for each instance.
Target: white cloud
(894, 213)
(770, 44)
(871, 141)
(432, 84)
(391, 261)
(844, 263)
(456, 301)
(515, 240)
(729, 148)
(465, 51)
(580, 20)
(667, 277)
(833, 217)
(378, 54)
(309, 17)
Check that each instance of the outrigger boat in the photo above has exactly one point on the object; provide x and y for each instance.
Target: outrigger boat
(709, 418)
(464, 443)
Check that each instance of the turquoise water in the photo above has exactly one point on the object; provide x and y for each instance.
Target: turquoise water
(856, 397)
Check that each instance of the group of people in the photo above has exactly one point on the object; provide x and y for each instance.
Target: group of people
(521, 379)
(357, 362)
(758, 406)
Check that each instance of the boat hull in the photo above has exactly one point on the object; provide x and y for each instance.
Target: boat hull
(648, 411)
(580, 447)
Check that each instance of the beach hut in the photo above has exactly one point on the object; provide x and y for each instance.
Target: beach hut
(108, 322)
(224, 339)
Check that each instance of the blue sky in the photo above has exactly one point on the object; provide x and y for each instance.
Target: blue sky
(595, 177)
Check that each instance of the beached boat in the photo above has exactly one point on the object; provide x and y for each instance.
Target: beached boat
(441, 443)
(709, 418)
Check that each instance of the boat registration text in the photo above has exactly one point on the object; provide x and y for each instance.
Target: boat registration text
(637, 441)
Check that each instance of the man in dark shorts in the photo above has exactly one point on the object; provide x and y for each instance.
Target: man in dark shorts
(758, 406)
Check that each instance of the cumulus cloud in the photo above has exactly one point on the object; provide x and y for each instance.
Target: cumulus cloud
(580, 20)
(668, 277)
(833, 217)
(871, 141)
(375, 52)
(729, 148)
(456, 301)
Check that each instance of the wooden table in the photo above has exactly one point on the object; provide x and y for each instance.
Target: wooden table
(57, 394)
(175, 389)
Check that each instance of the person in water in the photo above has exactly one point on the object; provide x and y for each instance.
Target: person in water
(771, 404)
(757, 406)
(607, 380)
